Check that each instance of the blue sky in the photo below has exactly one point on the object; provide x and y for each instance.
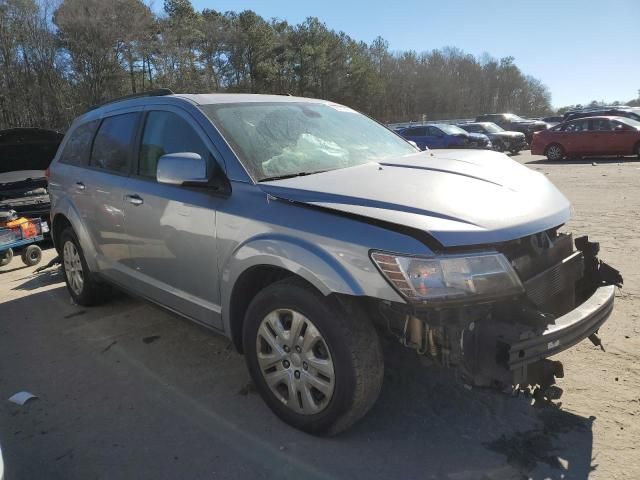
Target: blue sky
(581, 49)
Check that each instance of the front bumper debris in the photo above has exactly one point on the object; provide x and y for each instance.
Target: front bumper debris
(569, 294)
(566, 331)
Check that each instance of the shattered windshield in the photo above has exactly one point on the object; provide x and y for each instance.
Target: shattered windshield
(280, 139)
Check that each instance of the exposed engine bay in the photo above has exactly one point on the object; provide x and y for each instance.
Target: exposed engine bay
(505, 344)
(25, 154)
(26, 193)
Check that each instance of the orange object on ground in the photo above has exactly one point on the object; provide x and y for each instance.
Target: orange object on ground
(28, 227)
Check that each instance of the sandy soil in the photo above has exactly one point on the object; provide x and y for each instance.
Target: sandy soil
(606, 386)
(129, 391)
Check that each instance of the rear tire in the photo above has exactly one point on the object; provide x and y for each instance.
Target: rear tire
(6, 257)
(31, 255)
(352, 369)
(637, 150)
(82, 284)
(515, 151)
(554, 152)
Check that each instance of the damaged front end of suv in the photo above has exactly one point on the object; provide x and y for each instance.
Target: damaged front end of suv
(498, 315)
(491, 285)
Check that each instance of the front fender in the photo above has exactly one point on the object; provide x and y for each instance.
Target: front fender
(345, 272)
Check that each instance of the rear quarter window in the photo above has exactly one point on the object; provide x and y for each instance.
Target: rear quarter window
(76, 150)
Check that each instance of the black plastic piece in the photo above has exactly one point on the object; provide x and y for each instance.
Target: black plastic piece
(609, 275)
(589, 249)
(596, 270)
(595, 339)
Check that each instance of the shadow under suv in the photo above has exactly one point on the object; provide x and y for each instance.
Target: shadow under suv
(303, 230)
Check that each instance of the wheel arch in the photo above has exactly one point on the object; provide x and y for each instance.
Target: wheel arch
(247, 286)
(263, 261)
(66, 216)
(58, 225)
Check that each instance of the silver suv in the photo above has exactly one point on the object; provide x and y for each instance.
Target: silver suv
(302, 230)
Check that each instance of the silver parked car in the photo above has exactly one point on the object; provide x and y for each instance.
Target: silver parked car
(302, 230)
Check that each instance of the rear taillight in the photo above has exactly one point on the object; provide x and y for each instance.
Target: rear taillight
(47, 173)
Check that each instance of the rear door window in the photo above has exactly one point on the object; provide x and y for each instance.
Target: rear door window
(76, 150)
(164, 133)
(601, 125)
(112, 145)
(577, 126)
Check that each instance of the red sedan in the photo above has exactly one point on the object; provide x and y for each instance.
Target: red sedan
(588, 136)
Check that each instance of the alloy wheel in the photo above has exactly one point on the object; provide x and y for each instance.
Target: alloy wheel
(295, 361)
(73, 267)
(554, 152)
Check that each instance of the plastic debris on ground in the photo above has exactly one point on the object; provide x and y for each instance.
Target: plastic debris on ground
(21, 398)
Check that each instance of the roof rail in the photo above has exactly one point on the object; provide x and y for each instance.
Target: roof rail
(158, 92)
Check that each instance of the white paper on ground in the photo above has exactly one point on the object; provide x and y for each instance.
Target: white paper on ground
(22, 397)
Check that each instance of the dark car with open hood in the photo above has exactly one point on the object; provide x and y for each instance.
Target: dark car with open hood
(25, 155)
(303, 231)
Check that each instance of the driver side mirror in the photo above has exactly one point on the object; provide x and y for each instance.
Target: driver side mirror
(620, 129)
(183, 168)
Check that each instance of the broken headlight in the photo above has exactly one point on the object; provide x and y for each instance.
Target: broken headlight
(449, 278)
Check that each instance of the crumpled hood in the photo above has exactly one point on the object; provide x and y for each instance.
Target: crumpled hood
(459, 197)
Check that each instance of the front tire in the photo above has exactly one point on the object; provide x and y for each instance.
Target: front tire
(554, 152)
(82, 284)
(316, 362)
(515, 151)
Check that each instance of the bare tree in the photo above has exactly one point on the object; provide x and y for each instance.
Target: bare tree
(56, 59)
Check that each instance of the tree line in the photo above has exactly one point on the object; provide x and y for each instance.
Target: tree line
(601, 103)
(59, 57)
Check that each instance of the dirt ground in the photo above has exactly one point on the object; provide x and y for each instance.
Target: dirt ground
(127, 390)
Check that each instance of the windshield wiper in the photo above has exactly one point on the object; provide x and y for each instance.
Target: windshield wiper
(291, 175)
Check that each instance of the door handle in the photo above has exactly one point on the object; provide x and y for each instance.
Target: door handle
(80, 186)
(134, 199)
